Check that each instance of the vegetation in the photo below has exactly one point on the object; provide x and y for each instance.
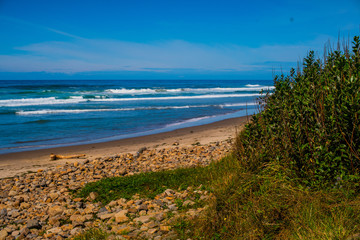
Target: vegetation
(294, 172)
(150, 184)
(298, 160)
(92, 234)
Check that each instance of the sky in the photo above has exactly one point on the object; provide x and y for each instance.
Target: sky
(197, 39)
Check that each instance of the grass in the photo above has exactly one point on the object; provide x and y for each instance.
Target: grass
(150, 184)
(92, 234)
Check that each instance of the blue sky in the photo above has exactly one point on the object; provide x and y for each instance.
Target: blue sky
(166, 39)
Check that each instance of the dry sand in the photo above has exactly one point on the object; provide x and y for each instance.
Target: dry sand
(17, 163)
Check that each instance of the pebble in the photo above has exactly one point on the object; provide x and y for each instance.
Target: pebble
(41, 205)
(33, 224)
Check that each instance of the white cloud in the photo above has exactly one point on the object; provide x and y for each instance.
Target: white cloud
(84, 55)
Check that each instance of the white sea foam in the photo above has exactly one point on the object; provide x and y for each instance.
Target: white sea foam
(179, 97)
(239, 104)
(79, 99)
(125, 91)
(131, 91)
(38, 101)
(76, 111)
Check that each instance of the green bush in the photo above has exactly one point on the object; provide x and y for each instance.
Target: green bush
(310, 122)
(297, 171)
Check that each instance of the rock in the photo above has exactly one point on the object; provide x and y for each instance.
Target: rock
(169, 192)
(164, 228)
(33, 223)
(12, 193)
(54, 220)
(3, 234)
(75, 231)
(89, 209)
(53, 196)
(15, 233)
(121, 216)
(112, 203)
(132, 210)
(14, 213)
(93, 196)
(67, 227)
(55, 230)
(103, 210)
(24, 231)
(143, 207)
(152, 231)
(3, 212)
(142, 213)
(142, 219)
(188, 203)
(45, 196)
(103, 216)
(77, 219)
(120, 229)
(25, 205)
(56, 210)
(160, 216)
(79, 205)
(173, 207)
(3, 195)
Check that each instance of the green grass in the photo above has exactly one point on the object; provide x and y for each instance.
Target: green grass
(150, 184)
(92, 234)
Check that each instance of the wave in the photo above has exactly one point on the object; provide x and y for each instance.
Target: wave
(36, 101)
(125, 91)
(76, 111)
(180, 97)
(80, 99)
(46, 101)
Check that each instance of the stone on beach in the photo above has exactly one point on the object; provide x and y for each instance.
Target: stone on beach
(40, 205)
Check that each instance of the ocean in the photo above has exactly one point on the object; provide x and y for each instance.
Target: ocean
(37, 114)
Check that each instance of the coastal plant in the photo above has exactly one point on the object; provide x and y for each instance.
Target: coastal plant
(311, 122)
(297, 175)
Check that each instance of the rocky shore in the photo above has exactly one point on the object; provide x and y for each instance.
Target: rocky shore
(41, 205)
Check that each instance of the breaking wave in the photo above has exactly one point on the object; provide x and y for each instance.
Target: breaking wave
(79, 99)
(76, 111)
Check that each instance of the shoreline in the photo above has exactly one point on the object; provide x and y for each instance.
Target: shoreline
(12, 164)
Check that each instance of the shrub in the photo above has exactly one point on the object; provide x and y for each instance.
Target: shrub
(297, 171)
(310, 122)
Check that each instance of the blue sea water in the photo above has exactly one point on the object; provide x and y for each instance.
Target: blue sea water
(44, 114)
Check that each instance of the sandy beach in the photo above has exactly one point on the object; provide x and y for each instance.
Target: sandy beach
(17, 163)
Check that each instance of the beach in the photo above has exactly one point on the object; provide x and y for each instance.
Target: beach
(22, 162)
(37, 201)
